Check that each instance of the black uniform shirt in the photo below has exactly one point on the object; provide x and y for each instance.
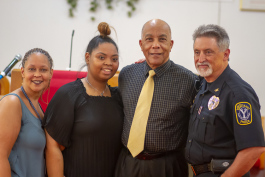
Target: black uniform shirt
(225, 118)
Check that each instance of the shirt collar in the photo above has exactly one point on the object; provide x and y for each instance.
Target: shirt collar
(160, 70)
(216, 85)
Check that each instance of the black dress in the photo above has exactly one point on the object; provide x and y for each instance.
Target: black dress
(89, 127)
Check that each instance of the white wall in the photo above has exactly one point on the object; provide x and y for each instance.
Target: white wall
(25, 24)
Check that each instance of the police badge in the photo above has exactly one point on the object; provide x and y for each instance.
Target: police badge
(243, 112)
(213, 102)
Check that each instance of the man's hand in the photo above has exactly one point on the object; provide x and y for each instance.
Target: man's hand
(140, 60)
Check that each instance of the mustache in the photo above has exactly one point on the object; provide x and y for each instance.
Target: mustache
(203, 63)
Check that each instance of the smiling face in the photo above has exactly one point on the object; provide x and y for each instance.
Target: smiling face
(156, 43)
(36, 73)
(209, 61)
(103, 62)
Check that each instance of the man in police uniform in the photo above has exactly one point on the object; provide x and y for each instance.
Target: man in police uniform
(225, 133)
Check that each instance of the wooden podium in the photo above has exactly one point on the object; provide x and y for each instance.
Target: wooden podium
(4, 86)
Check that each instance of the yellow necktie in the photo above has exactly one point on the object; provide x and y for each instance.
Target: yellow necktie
(138, 128)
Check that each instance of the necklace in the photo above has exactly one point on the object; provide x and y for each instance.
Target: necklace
(30, 103)
(101, 93)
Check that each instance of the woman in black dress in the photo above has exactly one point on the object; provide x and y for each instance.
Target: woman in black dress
(83, 121)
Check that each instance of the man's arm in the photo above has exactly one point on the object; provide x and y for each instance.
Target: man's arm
(243, 162)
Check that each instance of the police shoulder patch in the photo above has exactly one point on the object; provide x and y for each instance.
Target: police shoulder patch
(243, 112)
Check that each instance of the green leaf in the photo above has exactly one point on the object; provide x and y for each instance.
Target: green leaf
(92, 9)
(129, 3)
(73, 4)
(129, 13)
(71, 14)
(95, 3)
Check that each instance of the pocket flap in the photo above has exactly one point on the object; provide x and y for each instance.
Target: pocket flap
(208, 119)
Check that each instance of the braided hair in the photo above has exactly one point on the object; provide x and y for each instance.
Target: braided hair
(37, 50)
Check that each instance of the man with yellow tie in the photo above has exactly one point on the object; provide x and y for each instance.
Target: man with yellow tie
(157, 95)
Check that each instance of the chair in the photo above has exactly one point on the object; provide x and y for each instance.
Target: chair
(261, 161)
(4, 86)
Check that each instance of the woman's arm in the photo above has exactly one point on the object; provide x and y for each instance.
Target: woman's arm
(54, 157)
(10, 123)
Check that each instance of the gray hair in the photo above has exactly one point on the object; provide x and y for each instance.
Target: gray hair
(37, 50)
(214, 31)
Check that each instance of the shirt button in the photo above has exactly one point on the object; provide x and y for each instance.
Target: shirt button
(189, 141)
(203, 118)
